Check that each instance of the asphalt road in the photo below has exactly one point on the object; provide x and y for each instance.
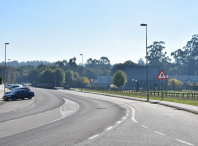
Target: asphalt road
(64, 117)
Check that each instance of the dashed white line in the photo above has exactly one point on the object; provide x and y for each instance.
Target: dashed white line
(118, 122)
(159, 133)
(144, 126)
(184, 142)
(133, 114)
(124, 118)
(93, 136)
(109, 128)
(127, 114)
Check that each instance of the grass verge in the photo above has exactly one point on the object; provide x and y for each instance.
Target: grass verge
(171, 99)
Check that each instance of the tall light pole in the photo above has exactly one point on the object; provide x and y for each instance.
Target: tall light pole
(82, 70)
(5, 67)
(146, 64)
(8, 71)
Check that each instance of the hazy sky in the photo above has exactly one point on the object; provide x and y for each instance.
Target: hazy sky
(54, 30)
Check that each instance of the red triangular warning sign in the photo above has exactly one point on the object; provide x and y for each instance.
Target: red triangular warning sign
(162, 75)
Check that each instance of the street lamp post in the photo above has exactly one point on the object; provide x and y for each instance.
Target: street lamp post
(82, 70)
(8, 71)
(5, 67)
(146, 64)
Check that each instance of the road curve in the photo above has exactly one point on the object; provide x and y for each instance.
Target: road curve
(92, 117)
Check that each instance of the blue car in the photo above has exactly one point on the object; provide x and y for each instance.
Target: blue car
(19, 94)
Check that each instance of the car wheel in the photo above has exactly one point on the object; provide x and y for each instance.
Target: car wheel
(22, 98)
(30, 97)
(6, 99)
(14, 98)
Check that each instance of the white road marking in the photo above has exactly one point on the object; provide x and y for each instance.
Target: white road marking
(62, 113)
(109, 128)
(144, 126)
(133, 114)
(127, 114)
(159, 133)
(93, 136)
(118, 122)
(183, 142)
(124, 118)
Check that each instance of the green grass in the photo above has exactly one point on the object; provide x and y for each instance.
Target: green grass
(171, 99)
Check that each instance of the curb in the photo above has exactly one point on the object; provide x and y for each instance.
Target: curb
(151, 101)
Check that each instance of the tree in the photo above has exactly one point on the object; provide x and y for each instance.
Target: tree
(174, 83)
(33, 75)
(60, 76)
(119, 78)
(156, 55)
(90, 73)
(141, 62)
(46, 76)
(76, 75)
(69, 76)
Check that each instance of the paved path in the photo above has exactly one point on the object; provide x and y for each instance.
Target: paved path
(1, 97)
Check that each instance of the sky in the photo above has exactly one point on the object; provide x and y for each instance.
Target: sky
(54, 30)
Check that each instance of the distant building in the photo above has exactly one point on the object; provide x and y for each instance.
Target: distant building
(134, 74)
(103, 81)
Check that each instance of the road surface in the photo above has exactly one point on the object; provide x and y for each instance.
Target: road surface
(65, 117)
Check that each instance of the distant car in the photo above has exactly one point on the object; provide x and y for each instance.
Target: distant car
(66, 87)
(19, 94)
(18, 88)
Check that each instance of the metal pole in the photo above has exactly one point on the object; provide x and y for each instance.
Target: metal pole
(162, 89)
(82, 72)
(55, 78)
(147, 67)
(5, 70)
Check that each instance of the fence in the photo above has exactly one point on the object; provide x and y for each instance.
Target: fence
(156, 93)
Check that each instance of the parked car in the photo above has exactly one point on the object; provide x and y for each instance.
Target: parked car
(17, 88)
(7, 86)
(66, 87)
(14, 86)
(19, 94)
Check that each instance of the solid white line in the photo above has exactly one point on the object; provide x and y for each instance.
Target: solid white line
(118, 122)
(93, 136)
(159, 133)
(109, 128)
(144, 126)
(133, 114)
(124, 118)
(183, 142)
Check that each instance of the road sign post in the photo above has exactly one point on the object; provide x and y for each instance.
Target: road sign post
(162, 75)
(91, 80)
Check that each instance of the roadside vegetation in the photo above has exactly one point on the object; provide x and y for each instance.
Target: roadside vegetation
(189, 101)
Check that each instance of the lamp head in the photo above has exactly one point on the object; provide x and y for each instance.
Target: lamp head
(81, 54)
(6, 43)
(143, 24)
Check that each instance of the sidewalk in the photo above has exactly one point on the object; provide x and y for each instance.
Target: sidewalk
(1, 96)
(185, 107)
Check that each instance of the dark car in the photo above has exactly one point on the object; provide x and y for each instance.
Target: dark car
(66, 87)
(17, 88)
(19, 94)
